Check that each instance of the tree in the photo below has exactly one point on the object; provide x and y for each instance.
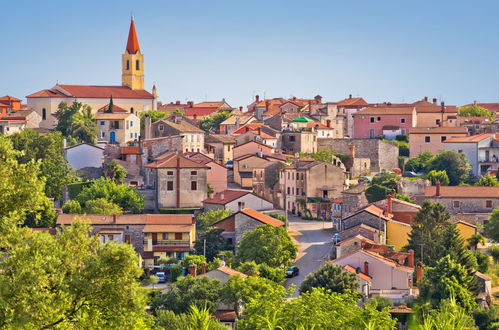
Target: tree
(428, 230)
(205, 219)
(267, 244)
(110, 108)
(42, 218)
(212, 122)
(487, 181)
(102, 206)
(454, 163)
(492, 227)
(189, 291)
(449, 316)
(195, 319)
(76, 121)
(376, 193)
(476, 239)
(419, 163)
(487, 318)
(482, 260)
(72, 207)
(155, 115)
(493, 250)
(438, 176)
(249, 268)
(476, 111)
(115, 171)
(275, 274)
(448, 279)
(48, 149)
(70, 280)
(122, 195)
(330, 277)
(214, 243)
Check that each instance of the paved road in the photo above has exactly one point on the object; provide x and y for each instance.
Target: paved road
(314, 245)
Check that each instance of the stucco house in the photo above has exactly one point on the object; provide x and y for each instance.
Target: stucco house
(245, 166)
(370, 122)
(432, 139)
(84, 155)
(220, 146)
(216, 176)
(482, 151)
(235, 122)
(16, 121)
(252, 148)
(193, 136)
(236, 200)
(118, 126)
(241, 222)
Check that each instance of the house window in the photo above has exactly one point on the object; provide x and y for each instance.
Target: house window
(161, 127)
(132, 110)
(137, 65)
(169, 173)
(241, 205)
(292, 175)
(110, 237)
(194, 185)
(371, 119)
(194, 172)
(302, 176)
(488, 204)
(379, 118)
(402, 120)
(402, 131)
(103, 134)
(178, 236)
(102, 123)
(293, 190)
(443, 138)
(169, 185)
(371, 133)
(165, 236)
(128, 64)
(289, 175)
(289, 191)
(136, 135)
(292, 138)
(456, 204)
(131, 122)
(131, 135)
(437, 122)
(44, 114)
(427, 139)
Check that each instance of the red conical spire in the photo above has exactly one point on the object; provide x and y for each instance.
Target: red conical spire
(132, 46)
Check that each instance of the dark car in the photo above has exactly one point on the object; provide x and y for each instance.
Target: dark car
(292, 271)
(409, 174)
(161, 277)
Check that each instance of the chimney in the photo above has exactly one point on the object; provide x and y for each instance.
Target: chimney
(190, 104)
(267, 104)
(410, 260)
(474, 102)
(437, 191)
(114, 218)
(222, 196)
(241, 108)
(238, 123)
(351, 148)
(435, 100)
(192, 270)
(318, 98)
(310, 105)
(294, 98)
(389, 203)
(442, 106)
(177, 102)
(349, 96)
(257, 98)
(425, 98)
(366, 268)
(419, 271)
(147, 127)
(203, 268)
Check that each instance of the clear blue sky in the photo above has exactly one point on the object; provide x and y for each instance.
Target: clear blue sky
(203, 49)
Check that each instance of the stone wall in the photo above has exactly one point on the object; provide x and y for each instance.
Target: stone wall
(354, 231)
(365, 218)
(383, 155)
(412, 187)
(244, 224)
(135, 232)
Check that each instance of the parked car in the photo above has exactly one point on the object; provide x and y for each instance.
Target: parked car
(229, 164)
(292, 271)
(161, 277)
(396, 170)
(409, 174)
(492, 172)
(364, 179)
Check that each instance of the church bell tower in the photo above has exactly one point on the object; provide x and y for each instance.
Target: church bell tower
(132, 62)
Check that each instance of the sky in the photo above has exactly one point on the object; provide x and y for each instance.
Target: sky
(398, 51)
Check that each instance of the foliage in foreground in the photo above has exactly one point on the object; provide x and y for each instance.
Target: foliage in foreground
(330, 277)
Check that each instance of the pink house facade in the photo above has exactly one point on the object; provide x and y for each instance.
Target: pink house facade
(370, 123)
(252, 148)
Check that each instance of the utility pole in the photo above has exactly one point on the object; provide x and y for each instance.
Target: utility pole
(421, 245)
(204, 248)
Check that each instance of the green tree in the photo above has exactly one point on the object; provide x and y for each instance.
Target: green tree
(48, 150)
(212, 122)
(267, 244)
(476, 111)
(427, 234)
(438, 176)
(493, 250)
(102, 206)
(72, 207)
(482, 260)
(76, 121)
(405, 198)
(476, 239)
(198, 260)
(189, 291)
(214, 243)
(114, 171)
(249, 268)
(420, 163)
(487, 181)
(43, 218)
(110, 108)
(330, 277)
(376, 193)
(276, 274)
(487, 318)
(492, 227)
(127, 198)
(386, 179)
(70, 280)
(195, 319)
(205, 219)
(449, 316)
(154, 114)
(454, 163)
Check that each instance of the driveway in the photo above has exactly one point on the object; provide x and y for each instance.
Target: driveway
(314, 245)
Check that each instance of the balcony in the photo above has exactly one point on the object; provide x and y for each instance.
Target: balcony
(169, 242)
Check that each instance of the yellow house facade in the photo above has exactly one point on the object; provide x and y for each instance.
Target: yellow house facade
(119, 128)
(397, 234)
(466, 230)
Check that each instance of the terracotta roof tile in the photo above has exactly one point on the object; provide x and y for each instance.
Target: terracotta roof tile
(200, 111)
(115, 108)
(171, 160)
(230, 271)
(263, 217)
(352, 270)
(469, 139)
(385, 111)
(353, 101)
(130, 150)
(87, 91)
(167, 228)
(438, 130)
(216, 104)
(463, 191)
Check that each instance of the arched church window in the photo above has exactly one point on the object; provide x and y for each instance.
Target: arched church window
(131, 110)
(128, 64)
(137, 65)
(44, 114)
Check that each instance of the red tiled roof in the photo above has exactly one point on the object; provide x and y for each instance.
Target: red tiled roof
(230, 271)
(463, 191)
(51, 231)
(127, 219)
(248, 127)
(87, 91)
(263, 217)
(353, 101)
(352, 270)
(318, 125)
(360, 237)
(199, 111)
(380, 258)
(9, 98)
(171, 160)
(438, 130)
(229, 196)
(170, 248)
(47, 93)
(130, 150)
(216, 104)
(132, 45)
(115, 108)
(167, 228)
(228, 316)
(385, 111)
(469, 139)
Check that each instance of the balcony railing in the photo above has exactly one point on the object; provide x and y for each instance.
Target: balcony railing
(169, 242)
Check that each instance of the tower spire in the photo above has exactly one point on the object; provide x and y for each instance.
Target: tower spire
(132, 46)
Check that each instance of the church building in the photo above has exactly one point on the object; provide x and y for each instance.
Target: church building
(130, 96)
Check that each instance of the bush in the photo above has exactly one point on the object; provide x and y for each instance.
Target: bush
(494, 252)
(72, 207)
(403, 149)
(176, 272)
(376, 193)
(438, 176)
(402, 138)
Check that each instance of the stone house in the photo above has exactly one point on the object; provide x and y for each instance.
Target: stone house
(193, 137)
(301, 140)
(235, 122)
(258, 135)
(482, 151)
(221, 146)
(383, 155)
(313, 182)
(236, 200)
(245, 166)
(16, 121)
(432, 139)
(178, 182)
(153, 236)
(216, 176)
(84, 155)
(118, 127)
(241, 222)
(266, 182)
(352, 199)
(463, 199)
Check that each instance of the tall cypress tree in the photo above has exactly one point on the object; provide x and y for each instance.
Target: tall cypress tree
(111, 106)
